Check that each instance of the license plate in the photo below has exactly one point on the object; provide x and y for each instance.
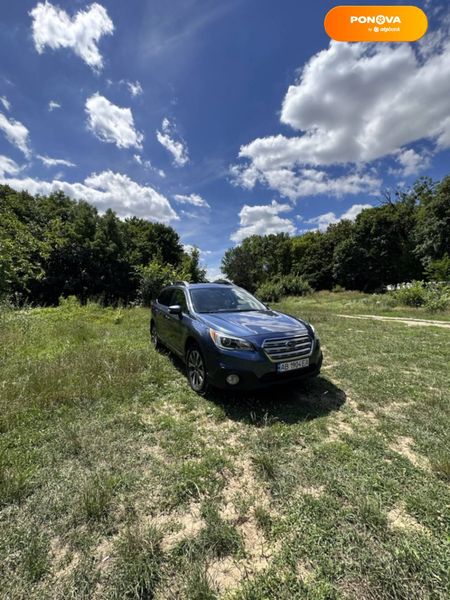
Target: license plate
(293, 364)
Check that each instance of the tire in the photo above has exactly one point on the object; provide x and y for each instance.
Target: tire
(196, 370)
(154, 336)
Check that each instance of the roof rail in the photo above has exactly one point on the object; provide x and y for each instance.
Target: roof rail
(223, 281)
(186, 283)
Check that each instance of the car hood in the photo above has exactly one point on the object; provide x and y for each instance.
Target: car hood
(254, 323)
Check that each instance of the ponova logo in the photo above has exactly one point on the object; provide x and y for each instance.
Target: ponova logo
(376, 23)
(379, 19)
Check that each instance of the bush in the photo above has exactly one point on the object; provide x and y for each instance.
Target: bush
(433, 295)
(153, 278)
(289, 285)
(413, 294)
(269, 292)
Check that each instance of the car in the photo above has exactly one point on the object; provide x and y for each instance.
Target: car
(228, 339)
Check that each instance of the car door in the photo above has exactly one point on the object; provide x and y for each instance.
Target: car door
(177, 324)
(161, 315)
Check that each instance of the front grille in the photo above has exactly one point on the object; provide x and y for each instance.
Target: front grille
(288, 348)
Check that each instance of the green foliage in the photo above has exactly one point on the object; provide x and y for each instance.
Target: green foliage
(52, 246)
(289, 285)
(153, 278)
(402, 239)
(433, 296)
(439, 269)
(190, 269)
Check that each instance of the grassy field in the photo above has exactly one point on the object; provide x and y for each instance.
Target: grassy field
(117, 481)
(357, 303)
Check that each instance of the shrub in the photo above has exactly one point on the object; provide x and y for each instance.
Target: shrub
(269, 292)
(413, 294)
(433, 295)
(153, 278)
(289, 285)
(295, 285)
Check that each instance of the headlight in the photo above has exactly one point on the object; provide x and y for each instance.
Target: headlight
(226, 342)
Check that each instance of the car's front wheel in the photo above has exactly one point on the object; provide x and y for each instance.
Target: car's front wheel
(196, 370)
(154, 336)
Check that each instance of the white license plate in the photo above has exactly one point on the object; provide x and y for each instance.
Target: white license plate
(293, 364)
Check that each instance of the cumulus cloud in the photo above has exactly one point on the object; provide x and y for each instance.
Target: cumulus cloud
(193, 199)
(8, 166)
(105, 190)
(411, 162)
(294, 183)
(330, 218)
(263, 220)
(111, 123)
(353, 104)
(6, 103)
(55, 162)
(52, 105)
(16, 133)
(177, 147)
(54, 28)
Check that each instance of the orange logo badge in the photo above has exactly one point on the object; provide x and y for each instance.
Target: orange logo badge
(376, 23)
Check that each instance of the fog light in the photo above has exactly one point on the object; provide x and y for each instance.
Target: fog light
(232, 379)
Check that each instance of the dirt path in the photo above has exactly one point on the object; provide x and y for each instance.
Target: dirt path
(406, 320)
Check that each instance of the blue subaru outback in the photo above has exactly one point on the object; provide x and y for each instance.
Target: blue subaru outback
(229, 339)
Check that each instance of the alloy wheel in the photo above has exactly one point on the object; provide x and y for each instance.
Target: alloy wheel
(196, 370)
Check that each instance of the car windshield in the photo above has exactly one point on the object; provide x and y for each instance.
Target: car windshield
(224, 299)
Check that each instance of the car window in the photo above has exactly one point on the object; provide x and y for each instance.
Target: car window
(164, 297)
(224, 299)
(178, 297)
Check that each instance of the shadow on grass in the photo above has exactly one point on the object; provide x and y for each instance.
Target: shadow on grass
(288, 403)
(291, 402)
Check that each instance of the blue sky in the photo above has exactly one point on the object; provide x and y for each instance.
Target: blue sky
(222, 119)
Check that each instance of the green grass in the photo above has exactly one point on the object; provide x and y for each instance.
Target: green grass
(357, 303)
(117, 481)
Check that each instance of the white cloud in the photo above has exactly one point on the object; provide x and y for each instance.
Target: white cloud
(54, 28)
(8, 166)
(53, 104)
(147, 165)
(54, 162)
(353, 104)
(6, 103)
(330, 218)
(16, 133)
(262, 220)
(176, 147)
(193, 199)
(294, 183)
(134, 88)
(411, 162)
(111, 123)
(106, 190)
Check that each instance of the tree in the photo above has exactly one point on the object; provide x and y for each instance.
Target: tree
(432, 231)
(190, 269)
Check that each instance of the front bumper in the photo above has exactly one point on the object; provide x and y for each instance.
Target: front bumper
(255, 370)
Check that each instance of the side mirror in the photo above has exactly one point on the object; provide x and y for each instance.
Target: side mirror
(175, 309)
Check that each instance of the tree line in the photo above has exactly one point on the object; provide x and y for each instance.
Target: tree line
(53, 246)
(405, 238)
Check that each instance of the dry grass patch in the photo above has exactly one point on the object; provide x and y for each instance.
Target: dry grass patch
(398, 518)
(404, 446)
